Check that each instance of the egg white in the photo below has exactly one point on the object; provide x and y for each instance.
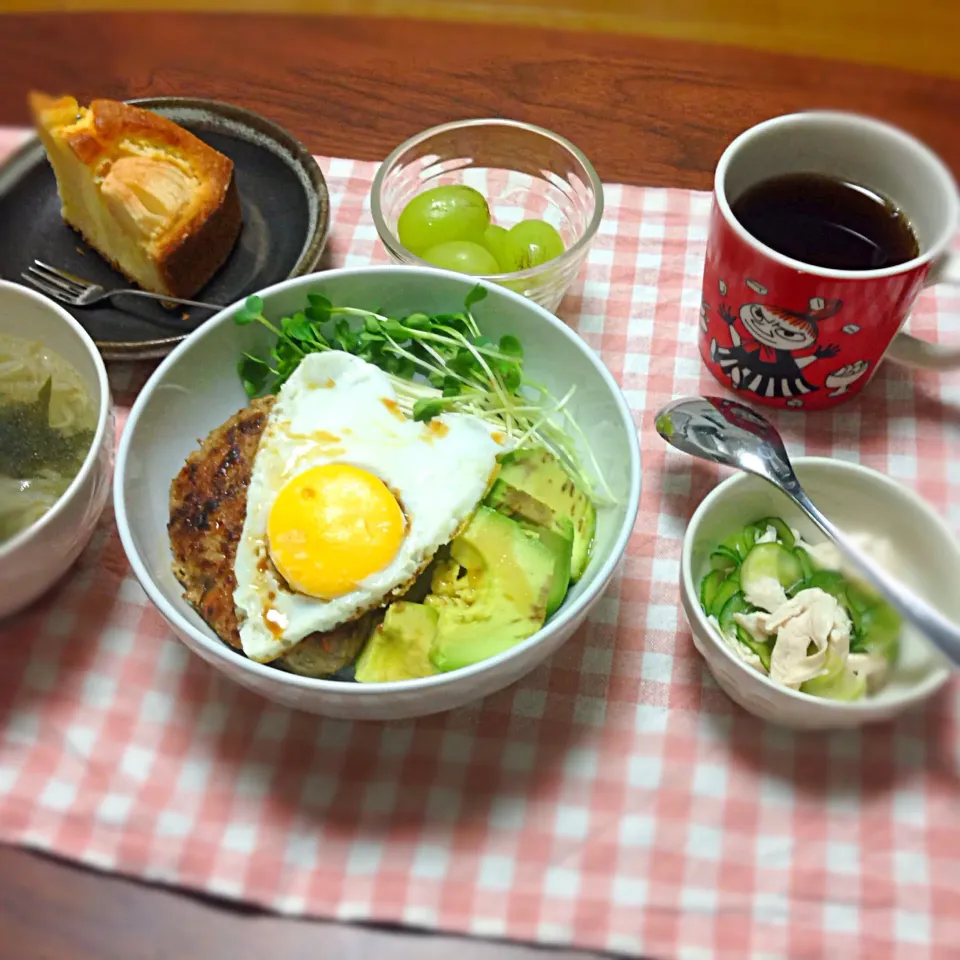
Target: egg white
(337, 408)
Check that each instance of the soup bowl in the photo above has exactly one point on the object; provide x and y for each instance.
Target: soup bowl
(197, 388)
(38, 556)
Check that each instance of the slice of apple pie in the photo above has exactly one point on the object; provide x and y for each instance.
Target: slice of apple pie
(154, 200)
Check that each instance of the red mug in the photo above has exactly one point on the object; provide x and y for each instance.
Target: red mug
(790, 334)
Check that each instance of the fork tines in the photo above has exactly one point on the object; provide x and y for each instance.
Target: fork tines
(54, 282)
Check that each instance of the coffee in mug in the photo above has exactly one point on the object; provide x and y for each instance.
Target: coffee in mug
(825, 228)
(827, 222)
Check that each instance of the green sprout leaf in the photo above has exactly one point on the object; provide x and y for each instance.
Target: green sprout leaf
(251, 311)
(459, 323)
(391, 364)
(318, 308)
(396, 330)
(510, 346)
(477, 294)
(511, 377)
(435, 362)
(298, 328)
(418, 321)
(427, 408)
(407, 369)
(287, 356)
(344, 336)
(463, 362)
(254, 373)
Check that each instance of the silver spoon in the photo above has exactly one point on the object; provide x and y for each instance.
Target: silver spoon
(730, 433)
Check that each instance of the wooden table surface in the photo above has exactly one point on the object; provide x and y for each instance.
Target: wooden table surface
(646, 111)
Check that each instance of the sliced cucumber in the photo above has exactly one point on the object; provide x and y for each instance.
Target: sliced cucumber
(784, 533)
(763, 650)
(859, 597)
(879, 632)
(739, 565)
(736, 604)
(709, 586)
(769, 560)
(728, 624)
(742, 541)
(835, 682)
(829, 581)
(723, 558)
(727, 589)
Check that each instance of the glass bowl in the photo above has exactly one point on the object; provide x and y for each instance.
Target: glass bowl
(523, 171)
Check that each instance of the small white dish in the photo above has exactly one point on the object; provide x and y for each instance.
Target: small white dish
(197, 388)
(858, 499)
(37, 557)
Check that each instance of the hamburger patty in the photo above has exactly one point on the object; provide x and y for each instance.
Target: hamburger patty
(208, 504)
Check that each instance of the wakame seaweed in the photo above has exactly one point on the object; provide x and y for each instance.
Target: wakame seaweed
(29, 446)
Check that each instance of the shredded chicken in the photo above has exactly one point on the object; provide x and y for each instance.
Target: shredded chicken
(826, 556)
(805, 627)
(766, 593)
(872, 666)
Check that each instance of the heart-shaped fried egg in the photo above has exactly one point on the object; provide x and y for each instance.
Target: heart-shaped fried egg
(348, 501)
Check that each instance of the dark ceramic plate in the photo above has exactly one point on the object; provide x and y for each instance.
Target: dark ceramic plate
(285, 220)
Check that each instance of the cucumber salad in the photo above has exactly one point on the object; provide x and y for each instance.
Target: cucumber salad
(786, 609)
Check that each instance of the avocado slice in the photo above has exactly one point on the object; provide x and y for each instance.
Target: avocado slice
(560, 544)
(492, 591)
(520, 505)
(537, 472)
(553, 532)
(399, 648)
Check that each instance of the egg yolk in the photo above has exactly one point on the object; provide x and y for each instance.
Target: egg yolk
(330, 527)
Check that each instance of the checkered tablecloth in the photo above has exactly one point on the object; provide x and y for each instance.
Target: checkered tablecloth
(613, 799)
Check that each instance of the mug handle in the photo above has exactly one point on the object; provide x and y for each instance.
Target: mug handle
(912, 351)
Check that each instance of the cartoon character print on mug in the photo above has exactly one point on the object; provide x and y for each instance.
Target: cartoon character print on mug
(770, 350)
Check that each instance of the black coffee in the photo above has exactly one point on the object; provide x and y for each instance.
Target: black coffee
(826, 222)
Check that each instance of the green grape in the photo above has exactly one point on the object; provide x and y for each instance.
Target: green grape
(530, 243)
(442, 214)
(463, 256)
(495, 239)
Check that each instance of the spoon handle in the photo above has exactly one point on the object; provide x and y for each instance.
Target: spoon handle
(937, 628)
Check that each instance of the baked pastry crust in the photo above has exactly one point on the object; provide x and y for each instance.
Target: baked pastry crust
(154, 200)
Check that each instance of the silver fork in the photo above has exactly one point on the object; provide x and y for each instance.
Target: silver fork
(77, 292)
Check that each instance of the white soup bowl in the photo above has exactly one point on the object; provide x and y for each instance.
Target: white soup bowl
(197, 388)
(37, 557)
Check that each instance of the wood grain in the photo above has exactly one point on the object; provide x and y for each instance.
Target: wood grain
(921, 35)
(645, 111)
(50, 910)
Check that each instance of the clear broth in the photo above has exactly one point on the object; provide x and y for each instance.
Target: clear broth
(47, 423)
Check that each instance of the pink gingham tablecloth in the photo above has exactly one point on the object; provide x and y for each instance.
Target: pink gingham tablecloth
(613, 799)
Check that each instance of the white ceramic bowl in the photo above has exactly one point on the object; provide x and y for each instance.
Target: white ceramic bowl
(857, 499)
(197, 388)
(37, 557)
